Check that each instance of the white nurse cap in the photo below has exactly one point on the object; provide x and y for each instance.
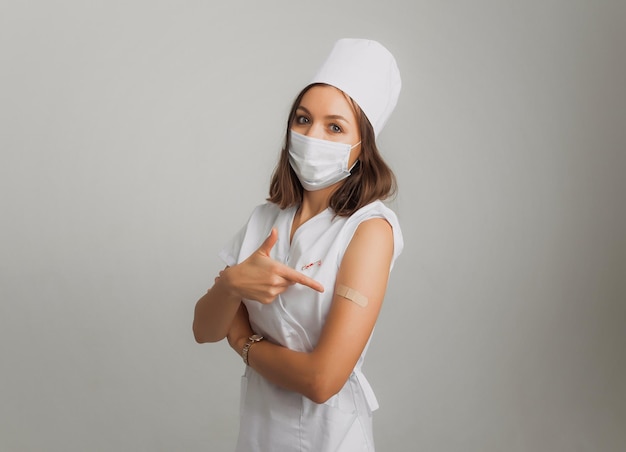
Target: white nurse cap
(368, 73)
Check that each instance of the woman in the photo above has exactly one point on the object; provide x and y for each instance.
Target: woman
(306, 276)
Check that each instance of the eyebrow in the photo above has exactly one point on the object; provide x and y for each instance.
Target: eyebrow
(339, 117)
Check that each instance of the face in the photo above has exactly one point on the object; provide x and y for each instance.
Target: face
(326, 113)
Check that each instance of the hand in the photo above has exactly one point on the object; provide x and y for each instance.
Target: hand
(261, 278)
(240, 329)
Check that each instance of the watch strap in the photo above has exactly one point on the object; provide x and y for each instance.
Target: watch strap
(246, 348)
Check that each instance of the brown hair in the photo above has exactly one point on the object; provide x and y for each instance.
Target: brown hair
(371, 179)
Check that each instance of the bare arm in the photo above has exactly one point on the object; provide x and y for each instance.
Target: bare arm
(323, 372)
(215, 311)
(257, 278)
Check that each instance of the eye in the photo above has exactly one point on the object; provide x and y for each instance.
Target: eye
(335, 128)
(302, 119)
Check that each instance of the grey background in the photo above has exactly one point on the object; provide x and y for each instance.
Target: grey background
(136, 137)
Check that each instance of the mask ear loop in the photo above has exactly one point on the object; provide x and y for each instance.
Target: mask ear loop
(357, 160)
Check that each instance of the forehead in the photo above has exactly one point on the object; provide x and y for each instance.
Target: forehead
(326, 100)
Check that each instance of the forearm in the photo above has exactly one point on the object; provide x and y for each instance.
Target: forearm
(214, 313)
(305, 373)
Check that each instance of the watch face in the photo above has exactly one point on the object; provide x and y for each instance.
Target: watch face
(256, 337)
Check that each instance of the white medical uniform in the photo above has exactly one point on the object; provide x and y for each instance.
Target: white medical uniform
(273, 419)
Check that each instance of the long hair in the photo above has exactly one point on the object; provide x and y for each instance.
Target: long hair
(370, 180)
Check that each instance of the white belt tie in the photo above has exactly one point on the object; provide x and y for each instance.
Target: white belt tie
(370, 397)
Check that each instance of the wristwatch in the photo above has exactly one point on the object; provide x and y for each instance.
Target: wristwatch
(251, 340)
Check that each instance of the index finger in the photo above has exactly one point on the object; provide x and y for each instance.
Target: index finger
(297, 277)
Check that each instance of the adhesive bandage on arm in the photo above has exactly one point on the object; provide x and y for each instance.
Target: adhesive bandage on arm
(352, 295)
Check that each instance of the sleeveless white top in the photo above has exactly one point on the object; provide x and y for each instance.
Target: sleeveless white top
(275, 419)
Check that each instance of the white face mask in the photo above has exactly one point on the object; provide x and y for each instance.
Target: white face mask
(319, 163)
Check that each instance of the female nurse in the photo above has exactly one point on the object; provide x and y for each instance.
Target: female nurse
(306, 275)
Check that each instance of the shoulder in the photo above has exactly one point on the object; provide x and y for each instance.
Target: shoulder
(376, 209)
(251, 234)
(266, 209)
(375, 221)
(373, 233)
(374, 225)
(262, 219)
(265, 213)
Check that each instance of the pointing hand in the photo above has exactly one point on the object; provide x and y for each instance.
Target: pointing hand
(261, 278)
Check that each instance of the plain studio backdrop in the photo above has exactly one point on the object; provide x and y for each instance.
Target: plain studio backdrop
(136, 137)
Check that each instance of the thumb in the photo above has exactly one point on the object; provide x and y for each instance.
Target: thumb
(268, 244)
